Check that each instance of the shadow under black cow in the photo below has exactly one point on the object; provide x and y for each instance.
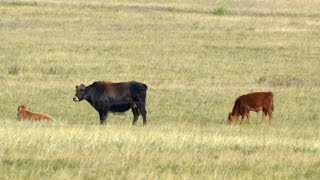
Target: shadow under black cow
(107, 97)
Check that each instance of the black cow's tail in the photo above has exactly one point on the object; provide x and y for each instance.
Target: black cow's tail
(139, 87)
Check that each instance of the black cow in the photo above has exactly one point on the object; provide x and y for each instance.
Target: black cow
(107, 97)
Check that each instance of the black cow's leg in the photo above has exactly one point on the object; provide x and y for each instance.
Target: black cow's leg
(136, 113)
(143, 112)
(103, 117)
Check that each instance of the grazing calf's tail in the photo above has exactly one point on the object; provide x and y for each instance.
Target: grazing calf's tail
(272, 106)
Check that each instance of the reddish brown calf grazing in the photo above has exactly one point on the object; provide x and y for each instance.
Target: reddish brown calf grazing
(252, 102)
(25, 114)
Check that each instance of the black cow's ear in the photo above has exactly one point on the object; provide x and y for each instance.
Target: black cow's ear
(77, 87)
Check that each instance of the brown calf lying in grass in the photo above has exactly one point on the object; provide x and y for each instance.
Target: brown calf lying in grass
(252, 102)
(25, 113)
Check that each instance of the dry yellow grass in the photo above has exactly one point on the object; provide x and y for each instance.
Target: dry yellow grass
(196, 57)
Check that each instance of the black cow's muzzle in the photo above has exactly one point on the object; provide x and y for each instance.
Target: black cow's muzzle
(76, 99)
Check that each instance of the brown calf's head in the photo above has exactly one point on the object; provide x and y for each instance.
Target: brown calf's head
(232, 118)
(22, 107)
(80, 93)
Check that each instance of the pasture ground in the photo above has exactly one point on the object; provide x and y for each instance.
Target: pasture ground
(196, 56)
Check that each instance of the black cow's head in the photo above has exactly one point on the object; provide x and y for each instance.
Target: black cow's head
(80, 93)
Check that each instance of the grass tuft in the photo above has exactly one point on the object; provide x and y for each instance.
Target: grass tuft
(219, 11)
(19, 3)
(14, 70)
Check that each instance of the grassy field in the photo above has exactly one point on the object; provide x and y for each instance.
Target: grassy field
(196, 56)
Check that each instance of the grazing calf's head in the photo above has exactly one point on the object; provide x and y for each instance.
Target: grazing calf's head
(80, 93)
(232, 118)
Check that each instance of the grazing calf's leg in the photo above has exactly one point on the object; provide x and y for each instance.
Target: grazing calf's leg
(242, 118)
(135, 113)
(245, 114)
(270, 116)
(248, 117)
(143, 112)
(264, 114)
